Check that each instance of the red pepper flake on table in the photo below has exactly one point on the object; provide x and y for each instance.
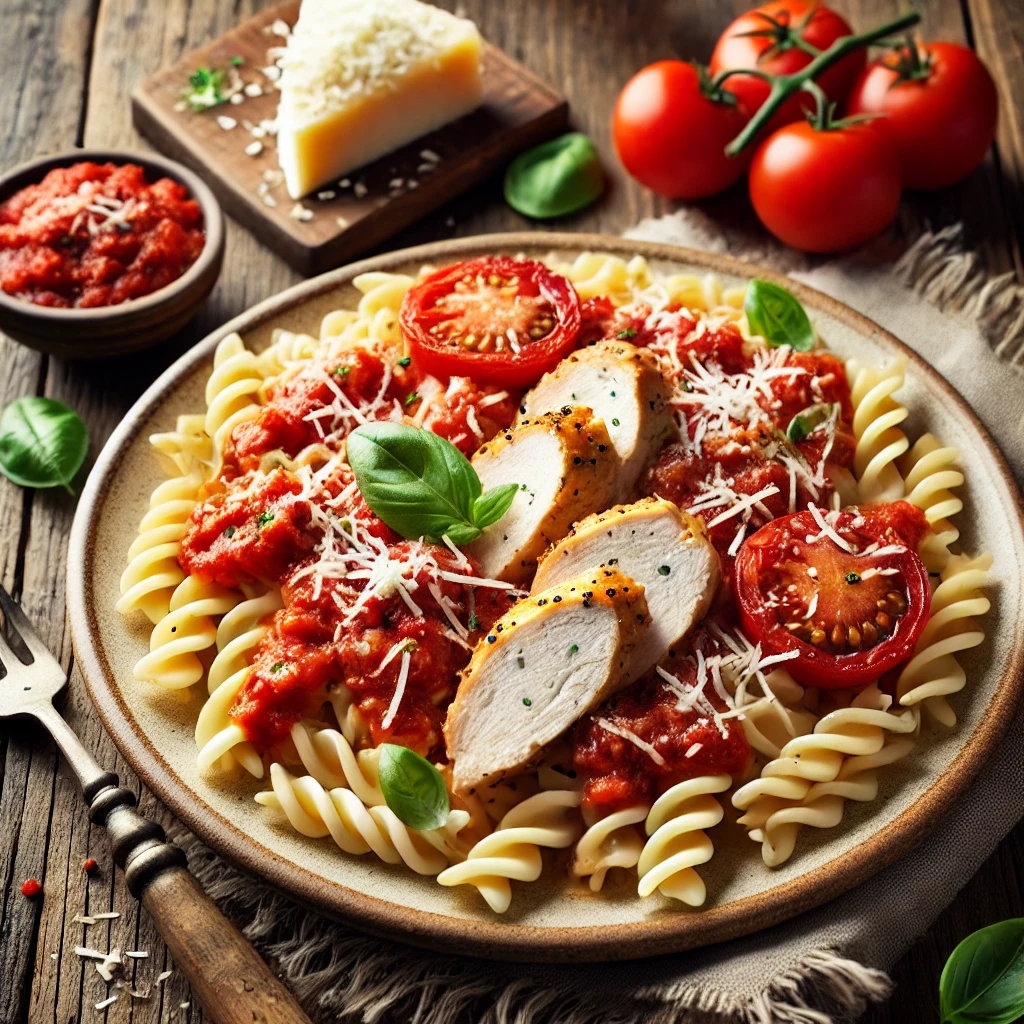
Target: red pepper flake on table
(97, 235)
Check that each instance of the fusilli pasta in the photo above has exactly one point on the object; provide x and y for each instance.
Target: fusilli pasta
(677, 841)
(933, 673)
(876, 419)
(512, 851)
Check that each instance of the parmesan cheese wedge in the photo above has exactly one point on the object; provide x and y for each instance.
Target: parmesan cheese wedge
(361, 78)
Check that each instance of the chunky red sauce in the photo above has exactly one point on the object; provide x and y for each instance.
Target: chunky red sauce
(735, 407)
(619, 773)
(97, 235)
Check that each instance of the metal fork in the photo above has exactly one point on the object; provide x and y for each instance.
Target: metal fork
(227, 975)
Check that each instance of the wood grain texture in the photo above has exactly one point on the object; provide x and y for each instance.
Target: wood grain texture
(69, 67)
(518, 110)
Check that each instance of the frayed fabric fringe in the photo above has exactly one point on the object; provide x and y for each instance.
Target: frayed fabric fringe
(342, 975)
(952, 278)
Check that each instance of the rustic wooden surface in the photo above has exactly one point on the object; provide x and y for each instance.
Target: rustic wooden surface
(69, 67)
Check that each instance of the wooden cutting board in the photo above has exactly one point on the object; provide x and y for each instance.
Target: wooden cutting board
(324, 231)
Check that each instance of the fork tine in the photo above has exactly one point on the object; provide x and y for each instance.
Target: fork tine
(15, 617)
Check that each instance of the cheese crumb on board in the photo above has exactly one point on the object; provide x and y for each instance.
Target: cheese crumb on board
(363, 77)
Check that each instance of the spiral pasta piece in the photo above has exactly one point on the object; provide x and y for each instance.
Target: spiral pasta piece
(239, 633)
(677, 841)
(512, 851)
(285, 350)
(860, 730)
(825, 802)
(876, 419)
(185, 631)
(931, 471)
(376, 316)
(186, 448)
(153, 572)
(231, 392)
(609, 842)
(933, 672)
(314, 811)
(596, 274)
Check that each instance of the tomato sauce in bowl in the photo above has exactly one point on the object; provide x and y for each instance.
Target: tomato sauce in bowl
(92, 235)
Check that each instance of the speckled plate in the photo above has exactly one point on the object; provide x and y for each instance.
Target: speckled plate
(551, 919)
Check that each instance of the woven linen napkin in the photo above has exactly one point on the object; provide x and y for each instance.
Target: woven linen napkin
(823, 966)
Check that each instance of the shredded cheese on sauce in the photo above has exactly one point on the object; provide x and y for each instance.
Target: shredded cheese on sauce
(628, 734)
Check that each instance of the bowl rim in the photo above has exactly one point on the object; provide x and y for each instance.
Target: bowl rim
(495, 939)
(32, 172)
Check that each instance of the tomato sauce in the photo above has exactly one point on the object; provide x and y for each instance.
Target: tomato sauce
(619, 774)
(326, 636)
(97, 235)
(325, 401)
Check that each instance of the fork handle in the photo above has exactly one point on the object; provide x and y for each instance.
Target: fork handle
(226, 974)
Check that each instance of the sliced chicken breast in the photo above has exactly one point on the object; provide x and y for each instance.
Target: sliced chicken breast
(566, 467)
(545, 663)
(624, 387)
(655, 544)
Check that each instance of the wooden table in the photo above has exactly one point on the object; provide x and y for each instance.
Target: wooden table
(68, 68)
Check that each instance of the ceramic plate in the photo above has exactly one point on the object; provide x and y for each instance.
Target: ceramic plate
(549, 919)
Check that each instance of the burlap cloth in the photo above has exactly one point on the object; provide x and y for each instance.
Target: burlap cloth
(822, 966)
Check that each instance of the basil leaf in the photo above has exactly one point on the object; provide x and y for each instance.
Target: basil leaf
(777, 316)
(420, 484)
(983, 980)
(43, 443)
(804, 422)
(555, 178)
(490, 507)
(412, 787)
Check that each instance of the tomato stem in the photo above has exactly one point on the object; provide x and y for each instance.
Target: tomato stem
(784, 86)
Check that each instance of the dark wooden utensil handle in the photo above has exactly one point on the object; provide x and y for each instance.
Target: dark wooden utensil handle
(227, 975)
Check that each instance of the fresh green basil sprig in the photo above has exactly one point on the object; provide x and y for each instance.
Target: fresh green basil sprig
(776, 315)
(43, 443)
(412, 787)
(983, 980)
(557, 177)
(421, 485)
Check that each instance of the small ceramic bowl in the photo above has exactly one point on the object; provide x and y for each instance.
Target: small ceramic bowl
(112, 330)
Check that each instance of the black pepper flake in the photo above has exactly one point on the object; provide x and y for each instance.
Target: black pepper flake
(576, 460)
(610, 591)
(586, 604)
(602, 447)
(566, 410)
(499, 627)
(522, 409)
(492, 639)
(556, 599)
(541, 602)
(521, 661)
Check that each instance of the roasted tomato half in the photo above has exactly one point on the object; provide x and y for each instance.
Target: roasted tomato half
(497, 320)
(844, 590)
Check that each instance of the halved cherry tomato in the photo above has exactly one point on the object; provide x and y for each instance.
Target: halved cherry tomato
(781, 38)
(671, 128)
(850, 610)
(496, 320)
(939, 106)
(826, 190)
